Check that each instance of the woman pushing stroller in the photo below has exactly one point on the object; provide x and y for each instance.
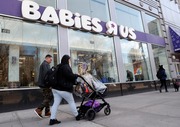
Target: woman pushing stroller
(64, 89)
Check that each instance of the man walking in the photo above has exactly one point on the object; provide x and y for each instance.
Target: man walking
(47, 93)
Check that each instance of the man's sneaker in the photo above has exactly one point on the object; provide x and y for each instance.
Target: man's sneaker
(47, 114)
(38, 112)
(160, 90)
(54, 121)
(78, 117)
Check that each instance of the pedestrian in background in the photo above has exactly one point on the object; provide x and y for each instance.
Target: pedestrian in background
(47, 93)
(63, 89)
(161, 74)
(129, 75)
(130, 79)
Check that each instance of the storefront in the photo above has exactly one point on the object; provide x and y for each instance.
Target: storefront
(175, 37)
(105, 35)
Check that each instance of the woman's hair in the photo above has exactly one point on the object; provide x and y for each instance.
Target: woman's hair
(65, 59)
(161, 67)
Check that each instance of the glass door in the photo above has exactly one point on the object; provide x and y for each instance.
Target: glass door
(177, 69)
(4, 60)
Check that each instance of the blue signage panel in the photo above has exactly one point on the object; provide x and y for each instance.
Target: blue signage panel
(175, 37)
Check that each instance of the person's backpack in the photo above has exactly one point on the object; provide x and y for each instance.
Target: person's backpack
(50, 78)
(159, 75)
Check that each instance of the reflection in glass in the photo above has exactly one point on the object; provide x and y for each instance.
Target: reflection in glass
(129, 17)
(160, 58)
(153, 25)
(136, 59)
(92, 8)
(29, 61)
(22, 51)
(46, 2)
(94, 51)
(4, 53)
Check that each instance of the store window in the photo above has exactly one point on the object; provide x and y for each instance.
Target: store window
(160, 58)
(136, 60)
(93, 54)
(92, 8)
(130, 17)
(22, 49)
(46, 2)
(153, 25)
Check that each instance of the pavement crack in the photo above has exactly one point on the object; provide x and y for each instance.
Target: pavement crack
(18, 119)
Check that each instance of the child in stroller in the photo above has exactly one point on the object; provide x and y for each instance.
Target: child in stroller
(91, 89)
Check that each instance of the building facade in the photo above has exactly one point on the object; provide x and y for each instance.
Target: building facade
(106, 37)
(171, 16)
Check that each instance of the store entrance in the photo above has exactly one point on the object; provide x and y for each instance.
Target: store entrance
(176, 62)
(27, 65)
(177, 68)
(4, 53)
(26, 70)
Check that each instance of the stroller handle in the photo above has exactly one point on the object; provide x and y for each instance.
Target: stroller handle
(80, 77)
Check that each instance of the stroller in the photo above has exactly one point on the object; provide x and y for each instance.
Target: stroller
(90, 91)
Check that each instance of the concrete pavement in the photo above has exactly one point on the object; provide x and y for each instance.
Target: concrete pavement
(150, 109)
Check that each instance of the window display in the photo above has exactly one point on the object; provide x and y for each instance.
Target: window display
(94, 51)
(160, 58)
(136, 60)
(22, 52)
(94, 54)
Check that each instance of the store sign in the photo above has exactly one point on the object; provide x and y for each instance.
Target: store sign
(13, 8)
(30, 11)
(7, 31)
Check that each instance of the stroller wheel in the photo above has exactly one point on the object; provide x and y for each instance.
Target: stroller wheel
(107, 111)
(90, 114)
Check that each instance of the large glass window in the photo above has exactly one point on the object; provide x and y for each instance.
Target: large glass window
(22, 49)
(153, 25)
(160, 58)
(95, 54)
(46, 2)
(136, 60)
(129, 17)
(92, 8)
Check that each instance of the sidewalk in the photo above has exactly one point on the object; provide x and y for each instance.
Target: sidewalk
(150, 109)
